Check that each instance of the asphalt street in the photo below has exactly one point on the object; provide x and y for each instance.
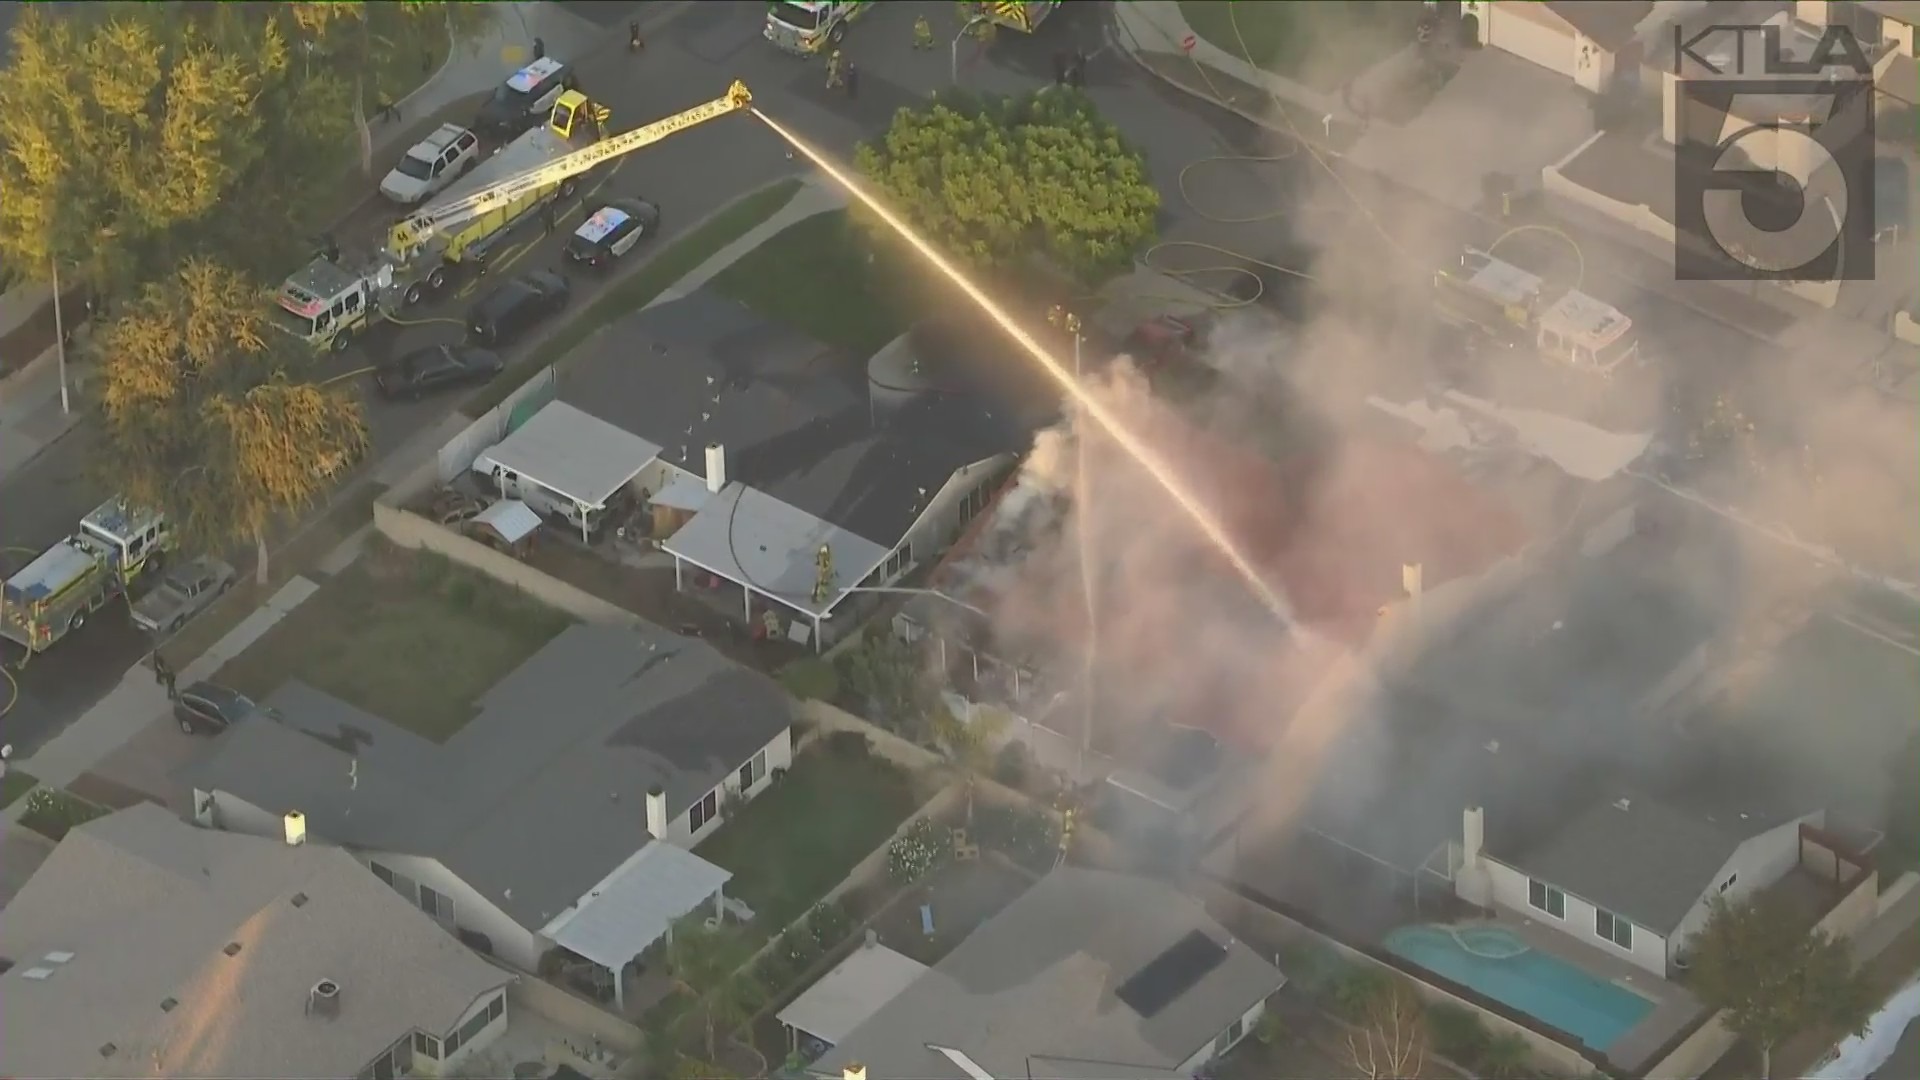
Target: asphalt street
(693, 59)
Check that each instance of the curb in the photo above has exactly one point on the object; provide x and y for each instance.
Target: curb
(1199, 95)
(399, 108)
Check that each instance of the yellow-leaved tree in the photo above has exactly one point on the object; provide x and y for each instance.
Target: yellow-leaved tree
(207, 413)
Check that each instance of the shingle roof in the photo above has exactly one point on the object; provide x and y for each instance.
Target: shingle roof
(1034, 992)
(149, 906)
(1638, 857)
(543, 793)
(793, 414)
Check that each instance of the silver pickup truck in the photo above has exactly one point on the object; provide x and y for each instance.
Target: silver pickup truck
(184, 591)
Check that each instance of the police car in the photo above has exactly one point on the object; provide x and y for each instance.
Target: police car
(612, 231)
(524, 100)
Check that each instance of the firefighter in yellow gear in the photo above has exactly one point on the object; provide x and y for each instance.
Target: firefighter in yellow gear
(836, 71)
(922, 33)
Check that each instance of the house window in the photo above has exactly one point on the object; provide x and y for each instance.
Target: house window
(1728, 884)
(973, 504)
(753, 770)
(381, 872)
(1230, 1036)
(1613, 928)
(452, 1047)
(436, 905)
(426, 1046)
(1544, 897)
(497, 1007)
(474, 1026)
(705, 810)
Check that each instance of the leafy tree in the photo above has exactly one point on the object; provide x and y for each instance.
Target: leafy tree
(206, 416)
(1506, 1056)
(999, 182)
(885, 672)
(971, 743)
(706, 963)
(1390, 1040)
(1775, 977)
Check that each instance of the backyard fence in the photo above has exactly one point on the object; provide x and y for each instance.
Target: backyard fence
(457, 455)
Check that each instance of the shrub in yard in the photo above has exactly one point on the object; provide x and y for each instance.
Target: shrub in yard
(916, 852)
(53, 813)
(830, 924)
(811, 679)
(798, 948)
(773, 970)
(847, 744)
(1357, 988)
(1013, 765)
(1024, 835)
(1457, 1034)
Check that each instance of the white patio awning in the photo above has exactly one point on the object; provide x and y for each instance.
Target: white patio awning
(636, 904)
(575, 455)
(851, 993)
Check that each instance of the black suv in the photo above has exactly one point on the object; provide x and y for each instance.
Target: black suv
(437, 367)
(208, 709)
(514, 307)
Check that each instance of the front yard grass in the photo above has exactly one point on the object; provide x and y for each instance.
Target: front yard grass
(822, 276)
(53, 813)
(407, 636)
(788, 847)
(1320, 45)
(13, 785)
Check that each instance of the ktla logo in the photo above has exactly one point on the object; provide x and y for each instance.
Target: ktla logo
(1773, 174)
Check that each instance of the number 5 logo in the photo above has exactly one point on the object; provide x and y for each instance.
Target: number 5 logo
(1753, 149)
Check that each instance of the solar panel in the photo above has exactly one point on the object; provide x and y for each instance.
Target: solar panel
(1172, 973)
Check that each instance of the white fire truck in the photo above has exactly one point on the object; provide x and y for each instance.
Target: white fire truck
(804, 28)
(53, 595)
(1513, 306)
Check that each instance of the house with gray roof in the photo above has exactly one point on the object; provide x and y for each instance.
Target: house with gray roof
(1089, 974)
(1635, 876)
(768, 461)
(561, 817)
(147, 947)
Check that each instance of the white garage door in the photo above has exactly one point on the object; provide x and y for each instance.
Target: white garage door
(1529, 40)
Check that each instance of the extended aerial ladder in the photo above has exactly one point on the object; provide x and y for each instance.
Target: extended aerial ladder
(416, 230)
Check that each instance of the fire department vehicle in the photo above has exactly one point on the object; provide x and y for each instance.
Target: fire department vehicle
(1516, 308)
(1024, 17)
(804, 28)
(53, 595)
(329, 302)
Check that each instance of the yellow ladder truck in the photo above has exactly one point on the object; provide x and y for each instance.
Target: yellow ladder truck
(329, 303)
(53, 595)
(1024, 17)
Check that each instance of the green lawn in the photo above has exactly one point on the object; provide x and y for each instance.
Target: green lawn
(1321, 45)
(820, 276)
(409, 637)
(638, 289)
(802, 837)
(13, 785)
(52, 812)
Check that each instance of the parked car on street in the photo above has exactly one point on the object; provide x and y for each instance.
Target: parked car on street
(207, 708)
(523, 100)
(432, 164)
(612, 231)
(184, 591)
(437, 367)
(515, 306)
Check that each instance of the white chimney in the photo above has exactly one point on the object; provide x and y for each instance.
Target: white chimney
(854, 1071)
(657, 812)
(716, 467)
(1473, 883)
(324, 999)
(1411, 576)
(296, 823)
(1473, 835)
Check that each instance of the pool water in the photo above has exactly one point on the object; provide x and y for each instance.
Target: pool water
(1496, 963)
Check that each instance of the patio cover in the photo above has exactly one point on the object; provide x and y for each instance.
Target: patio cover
(684, 492)
(572, 454)
(511, 518)
(636, 904)
(753, 539)
(851, 993)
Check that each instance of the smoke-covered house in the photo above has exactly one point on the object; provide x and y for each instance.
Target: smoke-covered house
(780, 475)
(1634, 876)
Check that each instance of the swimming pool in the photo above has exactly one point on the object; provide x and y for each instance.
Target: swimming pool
(1495, 962)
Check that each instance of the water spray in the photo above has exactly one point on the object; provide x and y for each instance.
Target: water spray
(1157, 467)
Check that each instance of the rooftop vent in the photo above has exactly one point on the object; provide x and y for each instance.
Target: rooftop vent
(232, 949)
(1623, 804)
(59, 956)
(167, 1004)
(38, 974)
(299, 899)
(108, 1050)
(324, 999)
